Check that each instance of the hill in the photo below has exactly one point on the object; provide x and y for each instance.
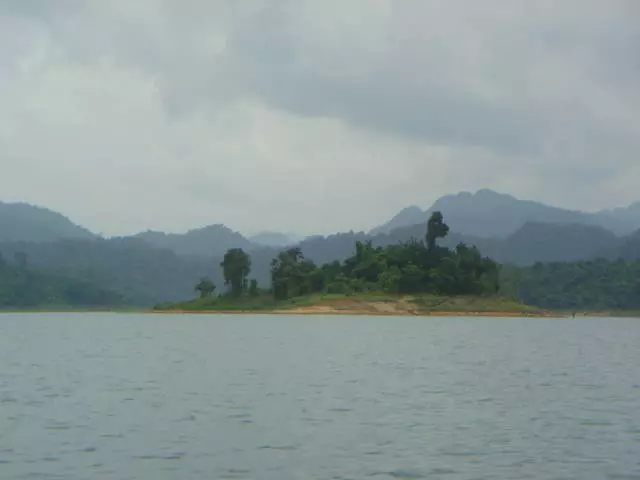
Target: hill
(21, 287)
(408, 216)
(141, 274)
(24, 222)
(490, 214)
(627, 248)
(630, 214)
(596, 285)
(550, 242)
(211, 240)
(273, 239)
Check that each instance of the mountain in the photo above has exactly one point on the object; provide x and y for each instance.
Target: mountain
(212, 240)
(143, 275)
(628, 248)
(407, 216)
(629, 215)
(490, 214)
(24, 222)
(550, 242)
(25, 288)
(273, 239)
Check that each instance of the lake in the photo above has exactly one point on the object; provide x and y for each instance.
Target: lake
(155, 397)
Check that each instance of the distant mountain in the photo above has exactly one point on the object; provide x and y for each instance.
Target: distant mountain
(26, 288)
(141, 274)
(490, 214)
(273, 239)
(628, 248)
(212, 240)
(630, 215)
(550, 242)
(24, 222)
(408, 216)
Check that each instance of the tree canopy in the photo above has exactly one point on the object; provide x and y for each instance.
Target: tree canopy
(21, 287)
(236, 267)
(412, 267)
(205, 287)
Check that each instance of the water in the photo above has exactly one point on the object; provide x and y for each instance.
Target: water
(293, 397)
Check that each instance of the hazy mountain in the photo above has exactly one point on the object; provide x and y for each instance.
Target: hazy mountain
(630, 215)
(21, 287)
(210, 240)
(141, 274)
(408, 216)
(156, 267)
(24, 222)
(549, 242)
(628, 248)
(490, 214)
(273, 239)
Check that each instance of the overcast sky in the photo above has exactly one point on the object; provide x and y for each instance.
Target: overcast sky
(312, 116)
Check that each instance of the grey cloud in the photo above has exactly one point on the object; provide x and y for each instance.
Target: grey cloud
(536, 98)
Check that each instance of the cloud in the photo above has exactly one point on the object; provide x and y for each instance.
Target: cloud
(313, 116)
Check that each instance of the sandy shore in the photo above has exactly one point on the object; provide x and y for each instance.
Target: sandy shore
(355, 307)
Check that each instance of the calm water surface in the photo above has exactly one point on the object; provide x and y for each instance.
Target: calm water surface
(292, 397)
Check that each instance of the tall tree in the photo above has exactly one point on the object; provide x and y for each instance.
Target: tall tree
(292, 275)
(236, 266)
(436, 228)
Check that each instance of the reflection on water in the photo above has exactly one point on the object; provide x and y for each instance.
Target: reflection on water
(267, 397)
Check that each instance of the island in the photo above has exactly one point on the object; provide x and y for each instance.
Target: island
(418, 277)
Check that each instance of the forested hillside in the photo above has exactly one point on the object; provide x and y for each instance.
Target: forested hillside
(21, 221)
(590, 285)
(155, 267)
(141, 274)
(21, 287)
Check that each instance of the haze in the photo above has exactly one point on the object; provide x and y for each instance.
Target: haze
(313, 116)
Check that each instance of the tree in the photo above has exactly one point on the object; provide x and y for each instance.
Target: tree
(236, 266)
(436, 228)
(253, 288)
(206, 287)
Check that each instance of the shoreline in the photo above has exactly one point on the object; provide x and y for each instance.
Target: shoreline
(374, 305)
(334, 312)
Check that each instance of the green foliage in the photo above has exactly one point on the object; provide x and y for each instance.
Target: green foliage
(292, 275)
(254, 291)
(236, 266)
(436, 228)
(589, 285)
(205, 287)
(413, 267)
(141, 274)
(24, 288)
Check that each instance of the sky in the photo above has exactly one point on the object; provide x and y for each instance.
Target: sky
(313, 116)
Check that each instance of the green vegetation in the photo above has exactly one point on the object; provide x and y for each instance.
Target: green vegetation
(206, 287)
(236, 266)
(22, 288)
(411, 267)
(144, 276)
(362, 303)
(599, 285)
(154, 268)
(420, 268)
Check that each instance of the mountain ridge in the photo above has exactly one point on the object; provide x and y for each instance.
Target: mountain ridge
(20, 221)
(487, 213)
